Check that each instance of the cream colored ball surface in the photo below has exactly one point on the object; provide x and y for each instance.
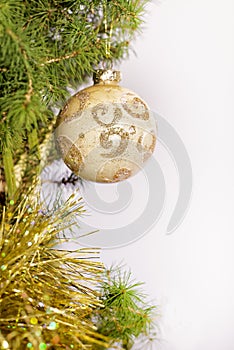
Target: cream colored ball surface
(105, 132)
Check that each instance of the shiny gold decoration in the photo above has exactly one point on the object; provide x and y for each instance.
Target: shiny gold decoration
(70, 152)
(103, 75)
(47, 296)
(105, 132)
(116, 170)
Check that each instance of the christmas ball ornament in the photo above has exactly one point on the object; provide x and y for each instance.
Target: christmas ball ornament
(105, 132)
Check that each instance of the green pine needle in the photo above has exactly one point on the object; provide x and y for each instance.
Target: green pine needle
(49, 45)
(126, 315)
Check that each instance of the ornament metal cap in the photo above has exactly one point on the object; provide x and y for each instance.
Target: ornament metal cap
(106, 75)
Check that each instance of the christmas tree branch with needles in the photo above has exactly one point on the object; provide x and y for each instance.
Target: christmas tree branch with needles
(49, 298)
(46, 47)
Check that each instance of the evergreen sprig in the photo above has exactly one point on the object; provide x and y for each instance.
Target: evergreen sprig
(46, 46)
(126, 314)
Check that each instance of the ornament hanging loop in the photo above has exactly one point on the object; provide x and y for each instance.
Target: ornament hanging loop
(107, 65)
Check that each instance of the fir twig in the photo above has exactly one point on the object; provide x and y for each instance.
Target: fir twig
(126, 314)
(47, 46)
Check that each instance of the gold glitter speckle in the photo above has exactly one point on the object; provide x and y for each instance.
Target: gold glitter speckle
(71, 154)
(135, 107)
(107, 143)
(103, 110)
(122, 174)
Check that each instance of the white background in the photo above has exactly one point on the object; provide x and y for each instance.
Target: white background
(184, 69)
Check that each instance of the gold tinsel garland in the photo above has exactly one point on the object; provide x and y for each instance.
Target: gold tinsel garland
(47, 296)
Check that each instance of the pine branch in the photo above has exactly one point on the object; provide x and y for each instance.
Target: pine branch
(49, 45)
(126, 314)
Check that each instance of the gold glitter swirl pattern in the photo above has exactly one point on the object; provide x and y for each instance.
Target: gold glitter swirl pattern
(71, 154)
(83, 97)
(101, 110)
(74, 107)
(153, 144)
(122, 174)
(109, 128)
(134, 106)
(139, 145)
(106, 142)
(147, 146)
(116, 170)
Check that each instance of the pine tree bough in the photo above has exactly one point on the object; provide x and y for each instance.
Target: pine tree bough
(66, 57)
(48, 46)
(48, 298)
